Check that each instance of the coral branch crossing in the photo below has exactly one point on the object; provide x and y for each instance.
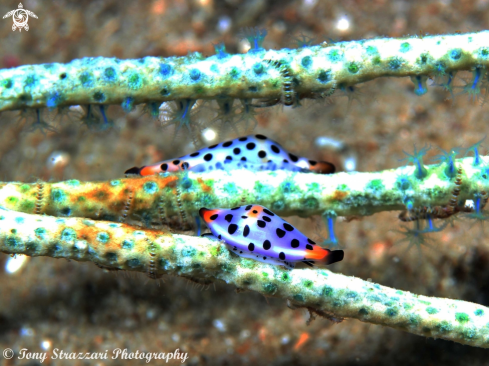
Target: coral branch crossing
(157, 253)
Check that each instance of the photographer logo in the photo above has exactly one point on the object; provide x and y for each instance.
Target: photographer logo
(20, 17)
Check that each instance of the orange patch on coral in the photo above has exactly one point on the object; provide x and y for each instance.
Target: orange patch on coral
(339, 195)
(99, 193)
(137, 183)
(205, 187)
(88, 233)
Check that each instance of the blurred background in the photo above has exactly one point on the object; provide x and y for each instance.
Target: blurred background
(48, 303)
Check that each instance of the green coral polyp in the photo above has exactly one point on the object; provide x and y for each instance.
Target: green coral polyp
(298, 298)
(306, 61)
(86, 79)
(103, 237)
(324, 76)
(58, 195)
(189, 252)
(270, 288)
(444, 327)
(127, 244)
(134, 81)
(405, 47)
(110, 74)
(353, 68)
(150, 187)
(327, 291)
(462, 317)
(7, 83)
(41, 233)
(68, 235)
(375, 185)
(133, 263)
(99, 97)
(395, 63)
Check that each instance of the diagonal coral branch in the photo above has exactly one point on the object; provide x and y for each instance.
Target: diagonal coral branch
(156, 253)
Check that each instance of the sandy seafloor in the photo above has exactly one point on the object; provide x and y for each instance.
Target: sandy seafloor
(78, 307)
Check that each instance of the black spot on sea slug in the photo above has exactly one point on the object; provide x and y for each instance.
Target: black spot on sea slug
(212, 146)
(250, 145)
(229, 158)
(294, 243)
(176, 162)
(244, 217)
(237, 151)
(213, 217)
(243, 138)
(164, 167)
(288, 227)
(246, 231)
(235, 208)
(228, 217)
(275, 149)
(227, 144)
(310, 241)
(251, 247)
(195, 154)
(243, 159)
(280, 233)
(232, 228)
(267, 245)
(282, 255)
(268, 212)
(208, 157)
(309, 247)
(267, 219)
(262, 154)
(260, 137)
(185, 165)
(312, 162)
(247, 208)
(294, 158)
(261, 223)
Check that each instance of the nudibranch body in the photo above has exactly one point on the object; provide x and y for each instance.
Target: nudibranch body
(250, 152)
(255, 232)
